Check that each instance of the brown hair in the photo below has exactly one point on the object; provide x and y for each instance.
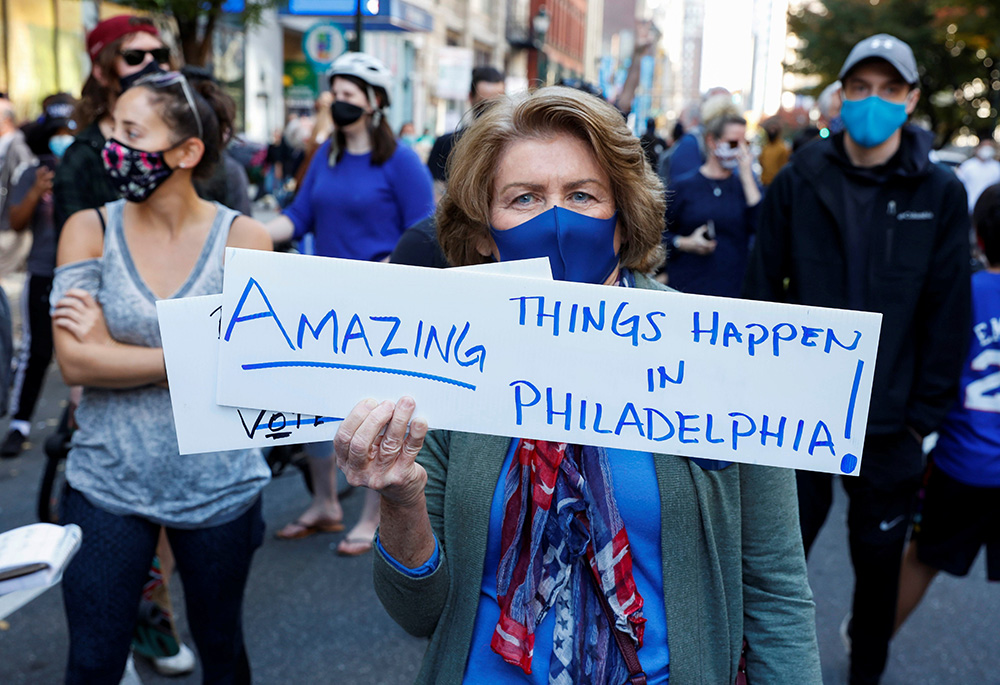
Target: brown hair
(383, 140)
(95, 98)
(718, 112)
(463, 217)
(213, 108)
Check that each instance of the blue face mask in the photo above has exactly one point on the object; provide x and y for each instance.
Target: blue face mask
(59, 144)
(580, 248)
(872, 120)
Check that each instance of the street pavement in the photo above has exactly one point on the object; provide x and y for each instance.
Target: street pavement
(312, 617)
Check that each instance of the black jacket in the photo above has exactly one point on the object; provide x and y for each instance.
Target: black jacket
(917, 271)
(81, 181)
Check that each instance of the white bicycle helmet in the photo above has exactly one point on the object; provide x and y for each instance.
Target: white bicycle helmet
(366, 68)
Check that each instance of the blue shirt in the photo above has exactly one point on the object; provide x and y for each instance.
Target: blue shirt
(356, 210)
(692, 201)
(633, 475)
(968, 447)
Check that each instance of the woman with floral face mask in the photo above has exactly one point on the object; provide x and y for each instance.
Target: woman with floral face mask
(711, 211)
(493, 547)
(125, 476)
(362, 190)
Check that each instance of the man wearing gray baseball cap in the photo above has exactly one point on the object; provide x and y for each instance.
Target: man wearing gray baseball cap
(864, 220)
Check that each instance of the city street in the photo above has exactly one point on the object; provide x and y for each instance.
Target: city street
(312, 617)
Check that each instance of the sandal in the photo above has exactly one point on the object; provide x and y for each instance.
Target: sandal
(300, 529)
(365, 542)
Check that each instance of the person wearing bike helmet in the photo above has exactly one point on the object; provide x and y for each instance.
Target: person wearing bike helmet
(360, 192)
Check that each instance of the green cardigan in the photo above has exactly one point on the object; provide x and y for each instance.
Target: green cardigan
(733, 566)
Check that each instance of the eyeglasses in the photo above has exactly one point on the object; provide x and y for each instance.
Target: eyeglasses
(134, 58)
(730, 143)
(165, 79)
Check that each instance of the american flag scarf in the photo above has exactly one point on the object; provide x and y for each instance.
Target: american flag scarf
(559, 515)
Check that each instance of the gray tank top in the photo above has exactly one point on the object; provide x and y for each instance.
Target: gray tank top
(124, 457)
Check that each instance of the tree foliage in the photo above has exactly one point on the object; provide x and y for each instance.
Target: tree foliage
(197, 19)
(956, 43)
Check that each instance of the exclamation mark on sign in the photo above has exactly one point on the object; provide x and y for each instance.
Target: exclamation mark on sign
(850, 462)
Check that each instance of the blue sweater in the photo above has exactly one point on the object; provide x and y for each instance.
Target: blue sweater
(356, 210)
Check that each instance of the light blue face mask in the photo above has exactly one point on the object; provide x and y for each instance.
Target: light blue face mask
(580, 248)
(59, 144)
(872, 120)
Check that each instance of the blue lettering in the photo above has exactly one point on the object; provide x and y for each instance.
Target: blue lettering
(633, 321)
(649, 425)
(519, 404)
(808, 333)
(590, 322)
(629, 411)
(752, 340)
(708, 431)
(731, 331)
(387, 351)
(597, 420)
(359, 335)
(664, 378)
(316, 332)
(432, 337)
(270, 313)
(827, 441)
(416, 345)
(776, 338)
(714, 330)
(831, 339)
(524, 308)
(551, 412)
(656, 329)
(798, 435)
(683, 428)
(473, 355)
(779, 434)
(572, 317)
(736, 425)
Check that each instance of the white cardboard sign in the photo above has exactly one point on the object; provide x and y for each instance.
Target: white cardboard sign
(189, 329)
(717, 378)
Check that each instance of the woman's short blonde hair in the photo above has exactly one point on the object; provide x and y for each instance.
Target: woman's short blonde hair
(463, 217)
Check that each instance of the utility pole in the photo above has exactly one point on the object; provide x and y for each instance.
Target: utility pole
(356, 43)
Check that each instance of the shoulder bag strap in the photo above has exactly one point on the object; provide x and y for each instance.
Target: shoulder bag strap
(636, 676)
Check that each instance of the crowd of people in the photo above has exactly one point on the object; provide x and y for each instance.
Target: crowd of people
(521, 560)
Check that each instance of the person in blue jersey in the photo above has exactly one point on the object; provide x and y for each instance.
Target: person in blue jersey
(959, 505)
(688, 557)
(712, 210)
(361, 191)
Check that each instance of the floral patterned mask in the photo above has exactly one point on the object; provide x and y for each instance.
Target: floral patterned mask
(136, 174)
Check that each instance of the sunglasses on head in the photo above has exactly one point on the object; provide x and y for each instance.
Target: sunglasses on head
(164, 79)
(134, 58)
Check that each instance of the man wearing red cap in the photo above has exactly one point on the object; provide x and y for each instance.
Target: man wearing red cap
(118, 47)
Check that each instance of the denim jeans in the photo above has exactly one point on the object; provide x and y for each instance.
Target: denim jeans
(103, 584)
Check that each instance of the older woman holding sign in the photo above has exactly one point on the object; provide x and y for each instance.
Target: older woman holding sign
(534, 562)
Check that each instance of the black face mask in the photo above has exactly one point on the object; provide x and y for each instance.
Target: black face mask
(344, 113)
(127, 82)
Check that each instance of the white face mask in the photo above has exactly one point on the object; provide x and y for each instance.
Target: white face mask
(986, 153)
(728, 156)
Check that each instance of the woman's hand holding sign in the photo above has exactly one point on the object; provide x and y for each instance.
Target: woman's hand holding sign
(376, 447)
